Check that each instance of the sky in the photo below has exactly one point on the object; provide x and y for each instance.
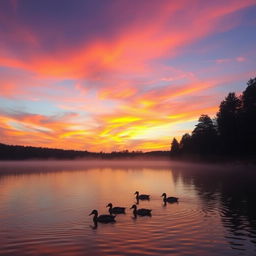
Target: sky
(111, 75)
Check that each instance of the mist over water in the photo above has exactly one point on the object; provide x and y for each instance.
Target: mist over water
(44, 208)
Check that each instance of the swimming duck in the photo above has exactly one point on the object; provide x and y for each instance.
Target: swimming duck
(141, 212)
(170, 199)
(102, 218)
(141, 197)
(115, 210)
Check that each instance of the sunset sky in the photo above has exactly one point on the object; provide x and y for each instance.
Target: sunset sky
(113, 75)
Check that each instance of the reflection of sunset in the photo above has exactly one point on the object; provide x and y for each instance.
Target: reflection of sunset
(106, 82)
(44, 208)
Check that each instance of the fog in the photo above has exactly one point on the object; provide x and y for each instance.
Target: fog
(62, 165)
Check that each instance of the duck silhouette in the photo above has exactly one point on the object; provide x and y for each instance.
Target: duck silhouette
(142, 196)
(140, 212)
(170, 199)
(115, 210)
(102, 218)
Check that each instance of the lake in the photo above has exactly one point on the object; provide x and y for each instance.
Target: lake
(44, 208)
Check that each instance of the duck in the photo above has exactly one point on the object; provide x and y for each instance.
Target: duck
(170, 199)
(115, 210)
(141, 212)
(106, 218)
(141, 197)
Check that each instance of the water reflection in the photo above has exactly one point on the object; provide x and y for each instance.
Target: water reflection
(231, 190)
(44, 209)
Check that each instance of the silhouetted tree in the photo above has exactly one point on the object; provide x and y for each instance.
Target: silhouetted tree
(186, 143)
(175, 147)
(228, 120)
(232, 133)
(204, 136)
(249, 96)
(248, 116)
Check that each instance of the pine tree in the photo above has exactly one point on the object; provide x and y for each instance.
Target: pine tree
(228, 120)
(204, 136)
(175, 147)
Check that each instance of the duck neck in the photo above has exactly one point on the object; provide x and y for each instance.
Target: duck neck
(135, 210)
(110, 210)
(95, 217)
(164, 197)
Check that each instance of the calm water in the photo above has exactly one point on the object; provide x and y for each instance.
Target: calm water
(44, 209)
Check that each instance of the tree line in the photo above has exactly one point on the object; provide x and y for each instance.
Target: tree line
(15, 152)
(231, 133)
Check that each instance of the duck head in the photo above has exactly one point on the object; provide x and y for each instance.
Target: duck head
(136, 193)
(164, 195)
(95, 212)
(109, 205)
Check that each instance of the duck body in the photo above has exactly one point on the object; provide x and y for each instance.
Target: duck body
(115, 210)
(170, 199)
(142, 196)
(141, 212)
(105, 218)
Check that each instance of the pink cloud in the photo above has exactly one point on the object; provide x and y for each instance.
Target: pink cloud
(240, 59)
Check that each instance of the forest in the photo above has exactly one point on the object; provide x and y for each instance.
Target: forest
(231, 134)
(16, 152)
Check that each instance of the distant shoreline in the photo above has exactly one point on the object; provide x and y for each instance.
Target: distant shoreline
(28, 153)
(17, 152)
